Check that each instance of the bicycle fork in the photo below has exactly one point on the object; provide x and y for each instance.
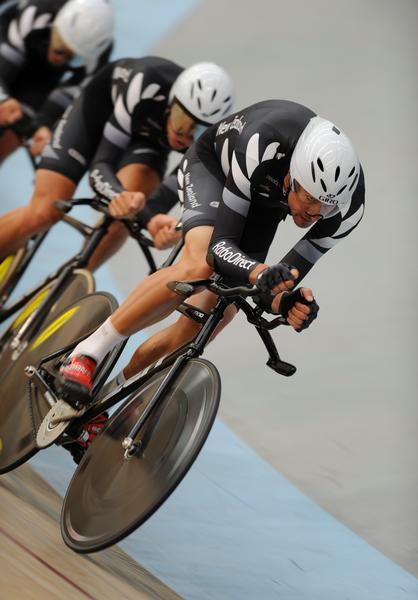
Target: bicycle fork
(194, 350)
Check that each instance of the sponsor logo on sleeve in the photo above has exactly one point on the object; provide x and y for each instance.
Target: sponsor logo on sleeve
(103, 187)
(235, 258)
(59, 129)
(237, 124)
(190, 193)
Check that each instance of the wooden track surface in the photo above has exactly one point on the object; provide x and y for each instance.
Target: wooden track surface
(35, 563)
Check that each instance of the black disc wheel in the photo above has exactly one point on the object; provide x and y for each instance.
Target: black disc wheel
(110, 494)
(22, 407)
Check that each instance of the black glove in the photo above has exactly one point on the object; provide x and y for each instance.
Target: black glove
(289, 300)
(272, 276)
(264, 300)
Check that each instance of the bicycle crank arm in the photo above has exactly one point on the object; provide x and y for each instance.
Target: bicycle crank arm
(32, 373)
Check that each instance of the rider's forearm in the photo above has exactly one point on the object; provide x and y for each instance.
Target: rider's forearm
(104, 181)
(4, 90)
(50, 112)
(160, 201)
(3, 93)
(9, 70)
(229, 260)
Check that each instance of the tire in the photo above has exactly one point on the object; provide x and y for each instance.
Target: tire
(21, 413)
(110, 496)
(8, 267)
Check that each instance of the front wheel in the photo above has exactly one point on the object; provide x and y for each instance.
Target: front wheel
(111, 495)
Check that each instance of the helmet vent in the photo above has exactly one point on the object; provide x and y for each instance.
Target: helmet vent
(319, 163)
(199, 104)
(341, 190)
(335, 130)
(213, 95)
(352, 171)
(354, 182)
(337, 173)
(324, 187)
(199, 83)
(192, 91)
(313, 171)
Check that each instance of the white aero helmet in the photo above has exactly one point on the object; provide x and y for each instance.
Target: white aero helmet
(205, 91)
(325, 163)
(86, 26)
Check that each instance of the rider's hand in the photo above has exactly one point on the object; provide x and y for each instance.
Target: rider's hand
(10, 112)
(40, 139)
(126, 205)
(277, 278)
(299, 307)
(162, 229)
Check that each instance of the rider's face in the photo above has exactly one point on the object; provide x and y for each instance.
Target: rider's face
(305, 209)
(180, 128)
(58, 53)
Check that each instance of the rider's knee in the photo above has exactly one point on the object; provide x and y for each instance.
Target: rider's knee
(42, 212)
(195, 269)
(185, 330)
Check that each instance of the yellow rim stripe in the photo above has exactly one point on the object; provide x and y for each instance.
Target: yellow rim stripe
(5, 266)
(33, 305)
(53, 327)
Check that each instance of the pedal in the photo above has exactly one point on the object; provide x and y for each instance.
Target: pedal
(281, 367)
(55, 422)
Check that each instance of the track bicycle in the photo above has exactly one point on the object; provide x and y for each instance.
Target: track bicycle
(151, 441)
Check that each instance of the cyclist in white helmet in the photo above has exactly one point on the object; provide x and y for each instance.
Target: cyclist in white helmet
(241, 178)
(43, 41)
(148, 107)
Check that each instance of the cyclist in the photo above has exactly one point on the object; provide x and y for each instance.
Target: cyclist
(237, 183)
(123, 125)
(51, 48)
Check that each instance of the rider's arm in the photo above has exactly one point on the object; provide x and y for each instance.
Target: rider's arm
(63, 95)
(103, 179)
(12, 52)
(325, 234)
(118, 131)
(224, 253)
(162, 200)
(13, 33)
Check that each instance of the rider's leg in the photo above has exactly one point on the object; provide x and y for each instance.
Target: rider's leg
(134, 178)
(172, 337)
(9, 142)
(151, 300)
(19, 225)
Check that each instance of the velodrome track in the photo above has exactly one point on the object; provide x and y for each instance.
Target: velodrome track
(308, 487)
